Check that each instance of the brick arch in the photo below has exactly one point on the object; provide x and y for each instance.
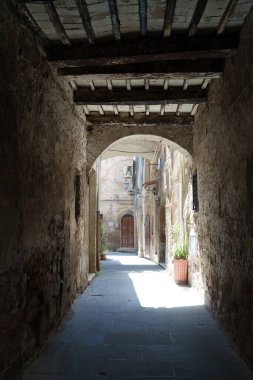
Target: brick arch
(100, 136)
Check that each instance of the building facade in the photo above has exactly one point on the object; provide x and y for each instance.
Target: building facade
(117, 203)
(165, 208)
(148, 205)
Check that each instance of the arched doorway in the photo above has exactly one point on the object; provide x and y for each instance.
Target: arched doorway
(127, 231)
(147, 236)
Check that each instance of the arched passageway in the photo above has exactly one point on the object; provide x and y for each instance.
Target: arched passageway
(102, 134)
(151, 176)
(71, 85)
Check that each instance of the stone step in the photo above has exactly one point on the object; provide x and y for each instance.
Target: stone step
(125, 249)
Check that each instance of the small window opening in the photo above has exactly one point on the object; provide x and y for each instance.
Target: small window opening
(77, 196)
(128, 171)
(195, 198)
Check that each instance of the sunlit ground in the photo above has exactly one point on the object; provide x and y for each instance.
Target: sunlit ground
(148, 291)
(149, 281)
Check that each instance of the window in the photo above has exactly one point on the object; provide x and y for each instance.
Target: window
(77, 196)
(195, 191)
(128, 171)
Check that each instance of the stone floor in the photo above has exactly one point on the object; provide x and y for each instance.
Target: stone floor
(134, 322)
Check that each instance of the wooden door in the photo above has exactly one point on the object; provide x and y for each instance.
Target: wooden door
(127, 231)
(147, 236)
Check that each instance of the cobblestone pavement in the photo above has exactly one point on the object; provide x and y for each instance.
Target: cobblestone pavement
(133, 322)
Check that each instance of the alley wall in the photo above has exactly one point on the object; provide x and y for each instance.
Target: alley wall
(44, 192)
(223, 150)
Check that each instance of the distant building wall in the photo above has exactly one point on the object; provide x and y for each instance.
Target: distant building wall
(164, 207)
(115, 198)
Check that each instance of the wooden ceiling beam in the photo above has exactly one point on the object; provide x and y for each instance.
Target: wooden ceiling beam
(168, 19)
(170, 56)
(138, 119)
(143, 17)
(139, 96)
(55, 20)
(35, 25)
(199, 10)
(28, 1)
(226, 16)
(115, 19)
(132, 76)
(136, 51)
(178, 69)
(86, 20)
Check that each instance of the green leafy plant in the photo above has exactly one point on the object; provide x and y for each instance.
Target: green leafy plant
(179, 243)
(180, 252)
(103, 246)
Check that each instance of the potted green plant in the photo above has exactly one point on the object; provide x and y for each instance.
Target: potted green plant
(180, 255)
(103, 251)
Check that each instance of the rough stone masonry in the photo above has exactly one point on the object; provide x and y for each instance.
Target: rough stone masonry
(42, 159)
(223, 149)
(44, 194)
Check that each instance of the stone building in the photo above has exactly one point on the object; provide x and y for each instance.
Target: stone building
(116, 203)
(78, 76)
(155, 191)
(165, 207)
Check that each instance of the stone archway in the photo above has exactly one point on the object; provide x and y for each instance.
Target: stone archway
(142, 145)
(100, 135)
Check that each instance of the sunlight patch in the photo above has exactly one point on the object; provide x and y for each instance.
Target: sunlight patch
(149, 294)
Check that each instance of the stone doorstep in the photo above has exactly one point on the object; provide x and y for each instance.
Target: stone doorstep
(125, 249)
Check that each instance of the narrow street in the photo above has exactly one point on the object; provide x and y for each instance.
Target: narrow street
(134, 322)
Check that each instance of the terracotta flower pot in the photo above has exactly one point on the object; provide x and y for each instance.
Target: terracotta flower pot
(180, 271)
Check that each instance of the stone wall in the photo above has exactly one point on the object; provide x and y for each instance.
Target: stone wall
(223, 147)
(43, 189)
(100, 136)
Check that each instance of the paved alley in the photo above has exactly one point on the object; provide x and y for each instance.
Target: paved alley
(134, 322)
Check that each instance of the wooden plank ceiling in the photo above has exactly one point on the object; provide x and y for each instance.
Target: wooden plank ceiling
(138, 57)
